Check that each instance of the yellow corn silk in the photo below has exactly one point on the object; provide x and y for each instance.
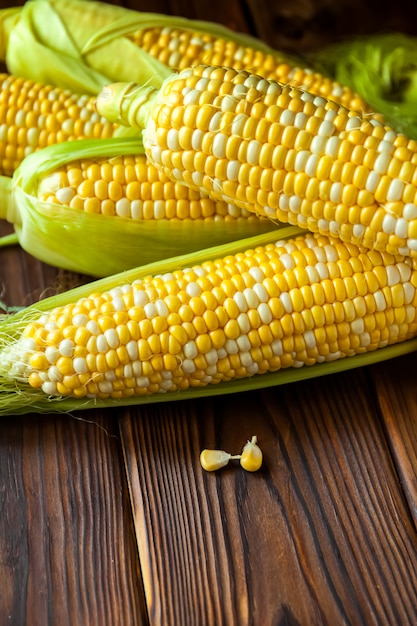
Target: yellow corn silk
(95, 43)
(278, 151)
(245, 315)
(98, 207)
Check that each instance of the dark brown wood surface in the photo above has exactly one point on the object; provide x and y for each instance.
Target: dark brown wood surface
(106, 517)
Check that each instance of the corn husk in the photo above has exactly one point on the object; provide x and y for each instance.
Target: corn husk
(383, 69)
(101, 245)
(85, 54)
(17, 397)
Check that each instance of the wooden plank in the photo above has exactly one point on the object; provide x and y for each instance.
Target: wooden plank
(67, 551)
(395, 388)
(325, 520)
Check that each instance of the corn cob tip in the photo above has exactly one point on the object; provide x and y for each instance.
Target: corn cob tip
(125, 103)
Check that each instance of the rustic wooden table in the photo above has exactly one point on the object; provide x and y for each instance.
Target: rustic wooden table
(107, 519)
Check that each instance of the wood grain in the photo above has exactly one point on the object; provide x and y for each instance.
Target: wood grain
(67, 551)
(325, 520)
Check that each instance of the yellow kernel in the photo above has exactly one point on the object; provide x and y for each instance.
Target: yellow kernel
(251, 458)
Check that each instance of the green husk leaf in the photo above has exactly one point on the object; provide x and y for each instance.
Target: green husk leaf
(9, 240)
(85, 54)
(19, 398)
(381, 68)
(101, 245)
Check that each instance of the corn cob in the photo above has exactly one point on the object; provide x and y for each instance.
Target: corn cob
(105, 192)
(278, 151)
(205, 323)
(113, 43)
(35, 115)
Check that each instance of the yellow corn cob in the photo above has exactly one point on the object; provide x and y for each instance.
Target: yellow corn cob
(105, 192)
(292, 304)
(278, 151)
(112, 43)
(34, 115)
(130, 187)
(179, 48)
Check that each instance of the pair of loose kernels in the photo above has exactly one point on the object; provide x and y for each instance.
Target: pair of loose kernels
(250, 459)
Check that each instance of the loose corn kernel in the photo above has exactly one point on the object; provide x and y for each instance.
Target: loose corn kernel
(251, 458)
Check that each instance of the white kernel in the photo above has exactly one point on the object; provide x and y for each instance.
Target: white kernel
(192, 97)
(190, 349)
(260, 292)
(326, 128)
(381, 163)
(238, 124)
(318, 145)
(353, 123)
(322, 270)
(80, 366)
(150, 310)
(409, 293)
(284, 203)
(265, 313)
(386, 147)
(358, 230)
(277, 348)
(332, 145)
(188, 366)
(372, 181)
(286, 302)
(251, 297)
(319, 101)
(102, 345)
(136, 209)
(212, 356)
(112, 337)
(300, 120)
(287, 117)
(137, 368)
(122, 208)
(66, 347)
(336, 192)
(246, 359)
(228, 103)
(380, 302)
(331, 253)
(365, 340)
(388, 224)
(311, 165)
(93, 327)
(301, 160)
(357, 326)
(256, 273)
(410, 211)
(49, 388)
(295, 204)
(215, 122)
(219, 145)
(243, 343)
(80, 320)
(287, 261)
(232, 170)
(401, 228)
(244, 323)
(65, 195)
(310, 339)
(231, 346)
(240, 300)
(412, 244)
(140, 297)
(395, 190)
(253, 151)
(405, 271)
(52, 354)
(313, 275)
(193, 289)
(142, 381)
